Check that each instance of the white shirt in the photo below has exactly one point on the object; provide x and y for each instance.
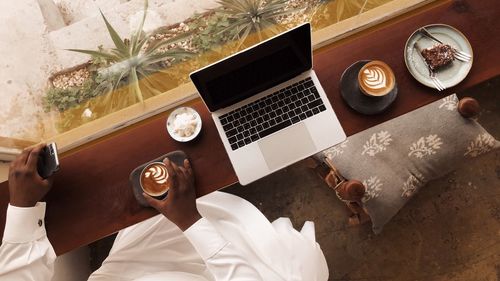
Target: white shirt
(220, 246)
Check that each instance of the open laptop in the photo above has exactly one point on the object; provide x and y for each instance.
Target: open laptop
(268, 105)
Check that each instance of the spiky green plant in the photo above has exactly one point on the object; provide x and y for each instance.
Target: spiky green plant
(132, 60)
(259, 16)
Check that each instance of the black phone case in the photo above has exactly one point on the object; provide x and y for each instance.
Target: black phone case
(47, 164)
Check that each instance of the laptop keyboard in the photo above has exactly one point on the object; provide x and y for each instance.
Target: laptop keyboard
(271, 113)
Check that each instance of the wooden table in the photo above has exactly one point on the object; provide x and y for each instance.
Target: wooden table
(91, 197)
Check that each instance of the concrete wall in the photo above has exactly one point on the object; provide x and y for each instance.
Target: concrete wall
(26, 61)
(76, 10)
(51, 14)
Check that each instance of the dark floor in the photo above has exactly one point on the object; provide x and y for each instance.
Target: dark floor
(449, 231)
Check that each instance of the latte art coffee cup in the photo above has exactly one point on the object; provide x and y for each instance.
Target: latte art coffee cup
(376, 79)
(155, 180)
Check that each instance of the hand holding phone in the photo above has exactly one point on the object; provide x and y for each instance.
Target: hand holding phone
(26, 187)
(48, 161)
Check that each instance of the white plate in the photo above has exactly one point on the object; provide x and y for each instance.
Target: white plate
(170, 123)
(449, 75)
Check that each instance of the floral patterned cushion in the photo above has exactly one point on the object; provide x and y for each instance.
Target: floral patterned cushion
(394, 159)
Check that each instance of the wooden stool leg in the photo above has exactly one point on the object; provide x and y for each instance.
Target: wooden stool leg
(322, 170)
(351, 190)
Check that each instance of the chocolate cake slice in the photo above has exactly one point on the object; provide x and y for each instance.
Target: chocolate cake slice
(438, 55)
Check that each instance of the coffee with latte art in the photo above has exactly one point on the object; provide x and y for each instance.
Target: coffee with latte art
(155, 179)
(376, 79)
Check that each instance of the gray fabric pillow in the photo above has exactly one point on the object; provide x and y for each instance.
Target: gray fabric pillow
(396, 158)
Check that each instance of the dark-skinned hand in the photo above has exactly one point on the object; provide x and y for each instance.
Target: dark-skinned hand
(26, 187)
(180, 205)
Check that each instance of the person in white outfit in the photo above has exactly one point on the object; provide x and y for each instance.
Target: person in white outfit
(215, 237)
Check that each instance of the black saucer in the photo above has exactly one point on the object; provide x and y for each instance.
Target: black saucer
(349, 89)
(175, 156)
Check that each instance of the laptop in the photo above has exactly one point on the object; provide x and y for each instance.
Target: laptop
(268, 105)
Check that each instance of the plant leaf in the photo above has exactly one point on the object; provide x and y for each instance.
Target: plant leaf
(137, 48)
(95, 53)
(134, 84)
(119, 55)
(244, 36)
(179, 53)
(149, 83)
(234, 25)
(120, 45)
(116, 83)
(340, 9)
(235, 5)
(138, 32)
(287, 12)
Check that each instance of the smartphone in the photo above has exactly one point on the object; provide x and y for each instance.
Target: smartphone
(48, 161)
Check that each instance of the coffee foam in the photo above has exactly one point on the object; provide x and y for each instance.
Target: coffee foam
(376, 79)
(157, 173)
(154, 179)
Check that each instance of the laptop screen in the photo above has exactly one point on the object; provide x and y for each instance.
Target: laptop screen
(256, 69)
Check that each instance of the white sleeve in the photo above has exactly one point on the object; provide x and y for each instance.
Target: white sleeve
(221, 257)
(26, 253)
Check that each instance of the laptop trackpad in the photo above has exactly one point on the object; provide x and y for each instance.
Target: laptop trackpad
(287, 146)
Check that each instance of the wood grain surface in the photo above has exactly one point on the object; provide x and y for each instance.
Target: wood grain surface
(91, 197)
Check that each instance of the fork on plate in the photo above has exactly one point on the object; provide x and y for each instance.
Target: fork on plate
(459, 55)
(437, 83)
(432, 74)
